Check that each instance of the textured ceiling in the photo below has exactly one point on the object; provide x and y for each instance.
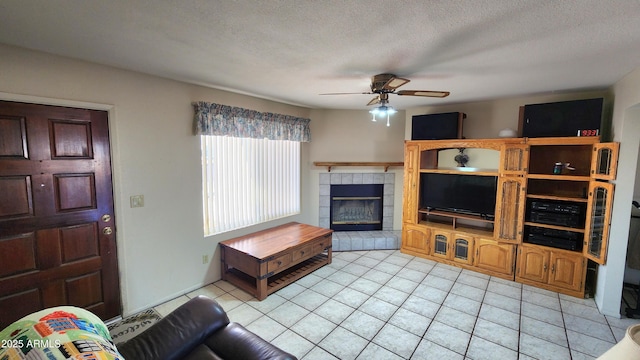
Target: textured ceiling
(293, 50)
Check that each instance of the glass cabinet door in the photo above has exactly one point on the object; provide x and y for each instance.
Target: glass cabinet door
(598, 221)
(441, 244)
(604, 161)
(463, 249)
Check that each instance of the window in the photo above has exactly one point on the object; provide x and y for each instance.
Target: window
(250, 165)
(248, 181)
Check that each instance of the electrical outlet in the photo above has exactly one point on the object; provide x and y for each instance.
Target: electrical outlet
(137, 201)
(205, 259)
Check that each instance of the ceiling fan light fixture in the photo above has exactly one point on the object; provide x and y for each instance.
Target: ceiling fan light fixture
(383, 110)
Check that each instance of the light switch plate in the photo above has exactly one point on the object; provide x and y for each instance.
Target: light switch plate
(137, 201)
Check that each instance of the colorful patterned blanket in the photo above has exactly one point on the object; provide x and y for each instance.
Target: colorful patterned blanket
(63, 332)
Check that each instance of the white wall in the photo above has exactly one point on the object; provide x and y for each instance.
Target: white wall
(626, 130)
(155, 154)
(351, 136)
(486, 118)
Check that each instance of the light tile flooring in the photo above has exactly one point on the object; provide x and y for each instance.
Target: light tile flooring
(383, 304)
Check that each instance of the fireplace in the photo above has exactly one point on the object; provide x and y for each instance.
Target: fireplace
(385, 239)
(356, 207)
(327, 180)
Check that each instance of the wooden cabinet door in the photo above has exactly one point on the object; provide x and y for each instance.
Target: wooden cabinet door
(533, 263)
(411, 175)
(440, 243)
(598, 221)
(493, 256)
(567, 270)
(604, 161)
(514, 159)
(510, 205)
(462, 249)
(57, 224)
(415, 238)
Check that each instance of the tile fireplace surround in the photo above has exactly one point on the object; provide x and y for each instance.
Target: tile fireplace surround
(387, 239)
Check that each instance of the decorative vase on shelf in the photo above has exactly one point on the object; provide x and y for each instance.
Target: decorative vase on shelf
(462, 159)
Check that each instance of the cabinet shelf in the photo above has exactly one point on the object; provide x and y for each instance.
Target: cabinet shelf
(386, 165)
(462, 171)
(562, 190)
(556, 197)
(467, 229)
(555, 227)
(454, 215)
(558, 177)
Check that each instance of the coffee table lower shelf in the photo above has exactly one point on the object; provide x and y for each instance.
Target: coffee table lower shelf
(277, 281)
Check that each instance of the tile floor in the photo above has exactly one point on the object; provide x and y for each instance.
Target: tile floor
(383, 304)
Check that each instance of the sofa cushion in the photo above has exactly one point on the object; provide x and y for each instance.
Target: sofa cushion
(202, 352)
(236, 342)
(177, 334)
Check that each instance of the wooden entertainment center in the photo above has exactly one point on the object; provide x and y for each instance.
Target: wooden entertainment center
(523, 241)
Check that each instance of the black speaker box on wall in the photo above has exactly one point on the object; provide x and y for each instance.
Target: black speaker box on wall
(565, 118)
(437, 126)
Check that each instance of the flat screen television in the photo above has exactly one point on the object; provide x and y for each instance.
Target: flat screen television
(465, 194)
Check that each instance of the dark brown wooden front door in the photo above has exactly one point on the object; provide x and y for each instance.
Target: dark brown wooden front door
(57, 226)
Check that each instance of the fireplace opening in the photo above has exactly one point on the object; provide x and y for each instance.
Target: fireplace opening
(356, 207)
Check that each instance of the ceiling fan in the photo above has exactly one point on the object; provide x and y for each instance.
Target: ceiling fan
(385, 84)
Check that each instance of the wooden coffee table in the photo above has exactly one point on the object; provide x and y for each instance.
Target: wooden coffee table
(266, 261)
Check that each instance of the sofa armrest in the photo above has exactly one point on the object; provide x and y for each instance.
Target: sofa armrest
(178, 333)
(236, 342)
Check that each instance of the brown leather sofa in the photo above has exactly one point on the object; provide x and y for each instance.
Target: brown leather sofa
(199, 329)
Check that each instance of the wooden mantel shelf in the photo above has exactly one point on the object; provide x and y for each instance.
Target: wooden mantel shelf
(329, 165)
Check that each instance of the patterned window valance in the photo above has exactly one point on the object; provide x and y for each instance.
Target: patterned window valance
(224, 120)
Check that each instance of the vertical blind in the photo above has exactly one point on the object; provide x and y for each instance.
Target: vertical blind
(250, 165)
(248, 181)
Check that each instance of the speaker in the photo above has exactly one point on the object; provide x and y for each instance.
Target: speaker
(437, 126)
(565, 118)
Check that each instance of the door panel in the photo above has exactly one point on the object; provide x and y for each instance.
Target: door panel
(598, 222)
(533, 263)
(567, 270)
(55, 190)
(491, 255)
(23, 256)
(415, 238)
(462, 249)
(604, 163)
(410, 206)
(510, 204)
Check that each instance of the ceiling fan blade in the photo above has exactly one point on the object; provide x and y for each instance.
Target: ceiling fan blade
(350, 93)
(426, 93)
(394, 83)
(374, 101)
